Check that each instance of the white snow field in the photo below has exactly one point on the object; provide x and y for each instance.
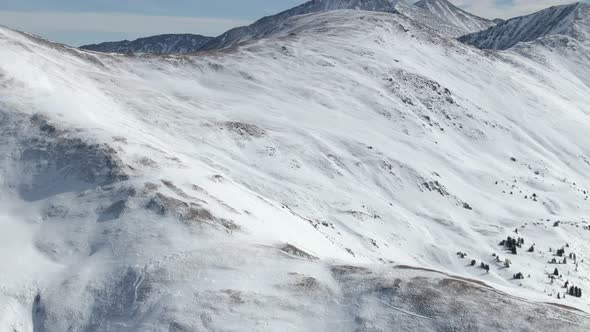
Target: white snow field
(323, 178)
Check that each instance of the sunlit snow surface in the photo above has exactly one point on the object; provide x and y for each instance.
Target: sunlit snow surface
(281, 185)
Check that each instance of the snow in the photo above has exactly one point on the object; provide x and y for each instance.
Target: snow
(570, 20)
(439, 15)
(260, 28)
(159, 191)
(447, 12)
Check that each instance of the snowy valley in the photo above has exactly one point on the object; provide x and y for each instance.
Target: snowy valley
(342, 167)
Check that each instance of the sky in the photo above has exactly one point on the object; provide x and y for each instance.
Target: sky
(79, 22)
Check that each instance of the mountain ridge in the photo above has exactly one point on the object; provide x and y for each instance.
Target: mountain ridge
(157, 44)
(452, 14)
(241, 34)
(440, 15)
(572, 20)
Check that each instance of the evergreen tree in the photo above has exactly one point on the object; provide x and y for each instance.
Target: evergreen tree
(556, 272)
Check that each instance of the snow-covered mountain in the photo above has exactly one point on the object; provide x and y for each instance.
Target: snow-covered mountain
(568, 20)
(266, 25)
(439, 15)
(160, 44)
(353, 171)
(449, 13)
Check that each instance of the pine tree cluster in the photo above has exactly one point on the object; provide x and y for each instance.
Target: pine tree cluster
(575, 291)
(513, 243)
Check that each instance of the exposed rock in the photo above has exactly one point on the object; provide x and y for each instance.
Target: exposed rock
(292, 250)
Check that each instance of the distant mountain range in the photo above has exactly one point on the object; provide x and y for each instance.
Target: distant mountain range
(160, 44)
(439, 15)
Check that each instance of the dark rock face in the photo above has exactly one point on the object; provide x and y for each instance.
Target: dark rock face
(294, 251)
(55, 161)
(186, 212)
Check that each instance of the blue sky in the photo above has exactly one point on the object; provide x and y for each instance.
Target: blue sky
(77, 22)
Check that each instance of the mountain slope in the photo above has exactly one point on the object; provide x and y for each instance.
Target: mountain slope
(449, 13)
(427, 19)
(571, 20)
(289, 184)
(265, 24)
(161, 44)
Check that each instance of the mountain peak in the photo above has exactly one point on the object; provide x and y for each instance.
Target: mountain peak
(572, 20)
(446, 11)
(264, 24)
(376, 5)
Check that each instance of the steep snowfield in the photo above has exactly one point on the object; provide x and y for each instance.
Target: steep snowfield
(570, 20)
(439, 26)
(285, 184)
(449, 13)
(161, 44)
